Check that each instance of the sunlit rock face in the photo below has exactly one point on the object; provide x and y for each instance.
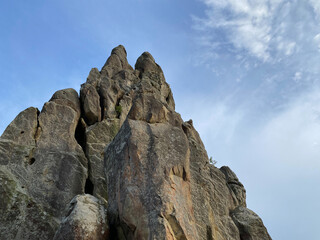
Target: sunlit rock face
(116, 162)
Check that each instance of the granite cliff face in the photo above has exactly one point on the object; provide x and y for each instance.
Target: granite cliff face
(116, 163)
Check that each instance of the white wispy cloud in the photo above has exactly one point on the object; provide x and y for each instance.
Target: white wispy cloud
(248, 23)
(269, 30)
(269, 131)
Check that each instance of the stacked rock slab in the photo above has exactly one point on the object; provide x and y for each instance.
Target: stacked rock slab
(145, 172)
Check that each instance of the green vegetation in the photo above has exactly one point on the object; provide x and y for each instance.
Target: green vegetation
(212, 161)
(118, 109)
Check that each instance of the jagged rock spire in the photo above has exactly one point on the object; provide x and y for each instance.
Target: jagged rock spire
(146, 63)
(124, 146)
(116, 62)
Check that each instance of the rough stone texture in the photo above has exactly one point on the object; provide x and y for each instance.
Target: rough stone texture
(123, 143)
(209, 189)
(121, 92)
(250, 224)
(148, 176)
(20, 216)
(237, 190)
(23, 129)
(90, 100)
(98, 136)
(116, 62)
(85, 220)
(60, 165)
(44, 165)
(158, 168)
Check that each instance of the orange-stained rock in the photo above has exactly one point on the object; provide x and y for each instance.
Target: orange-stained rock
(148, 176)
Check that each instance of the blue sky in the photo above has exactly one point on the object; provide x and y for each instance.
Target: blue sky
(246, 71)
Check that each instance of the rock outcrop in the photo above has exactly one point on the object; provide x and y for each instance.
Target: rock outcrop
(116, 162)
(85, 219)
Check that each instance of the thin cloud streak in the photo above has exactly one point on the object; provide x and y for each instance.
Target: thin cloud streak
(269, 30)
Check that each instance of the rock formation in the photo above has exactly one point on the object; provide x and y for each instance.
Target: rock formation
(116, 163)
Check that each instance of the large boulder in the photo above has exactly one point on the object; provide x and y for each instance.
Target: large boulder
(86, 219)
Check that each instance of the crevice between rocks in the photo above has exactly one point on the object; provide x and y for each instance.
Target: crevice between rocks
(209, 233)
(30, 159)
(101, 102)
(176, 228)
(89, 187)
(121, 231)
(38, 129)
(80, 136)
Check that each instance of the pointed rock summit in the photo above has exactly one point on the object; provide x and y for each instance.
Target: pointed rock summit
(117, 162)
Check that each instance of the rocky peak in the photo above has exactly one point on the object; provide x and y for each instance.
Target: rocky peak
(68, 97)
(116, 163)
(146, 63)
(116, 62)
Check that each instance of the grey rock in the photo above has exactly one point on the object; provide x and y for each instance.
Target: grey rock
(98, 136)
(116, 62)
(250, 224)
(24, 127)
(67, 97)
(209, 189)
(90, 100)
(59, 160)
(153, 80)
(149, 109)
(146, 63)
(86, 219)
(239, 193)
(20, 216)
(40, 156)
(94, 77)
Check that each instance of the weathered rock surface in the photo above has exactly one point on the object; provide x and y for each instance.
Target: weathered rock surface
(91, 104)
(148, 175)
(98, 136)
(237, 190)
(209, 189)
(85, 219)
(250, 225)
(44, 165)
(122, 143)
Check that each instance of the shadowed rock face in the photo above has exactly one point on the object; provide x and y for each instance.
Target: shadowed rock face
(145, 171)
